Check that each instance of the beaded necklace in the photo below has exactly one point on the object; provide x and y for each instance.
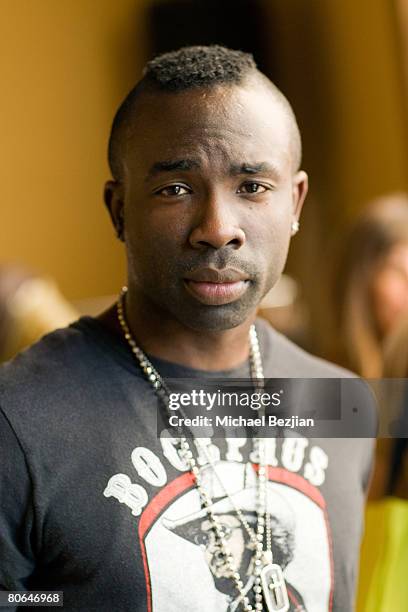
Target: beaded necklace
(269, 585)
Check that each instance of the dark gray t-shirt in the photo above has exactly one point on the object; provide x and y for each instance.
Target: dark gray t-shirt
(94, 504)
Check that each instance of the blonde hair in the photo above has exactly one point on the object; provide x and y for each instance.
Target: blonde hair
(396, 352)
(383, 225)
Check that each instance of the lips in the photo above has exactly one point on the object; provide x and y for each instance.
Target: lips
(218, 565)
(216, 287)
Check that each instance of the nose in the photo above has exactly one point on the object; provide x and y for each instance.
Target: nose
(217, 226)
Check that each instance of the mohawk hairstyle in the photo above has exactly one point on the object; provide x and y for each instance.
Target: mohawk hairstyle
(186, 68)
(190, 68)
(198, 66)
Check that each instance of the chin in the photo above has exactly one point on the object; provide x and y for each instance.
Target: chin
(215, 318)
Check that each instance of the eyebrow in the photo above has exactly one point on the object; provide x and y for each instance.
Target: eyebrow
(171, 165)
(253, 168)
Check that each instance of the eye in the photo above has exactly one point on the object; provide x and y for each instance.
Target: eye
(201, 539)
(252, 187)
(227, 532)
(173, 191)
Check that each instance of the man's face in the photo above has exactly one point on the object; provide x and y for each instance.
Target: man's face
(201, 532)
(209, 194)
(238, 544)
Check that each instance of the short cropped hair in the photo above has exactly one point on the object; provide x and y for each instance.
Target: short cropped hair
(191, 68)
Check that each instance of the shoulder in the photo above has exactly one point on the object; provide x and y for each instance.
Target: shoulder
(48, 370)
(51, 352)
(283, 358)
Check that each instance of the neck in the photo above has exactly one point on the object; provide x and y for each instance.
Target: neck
(164, 337)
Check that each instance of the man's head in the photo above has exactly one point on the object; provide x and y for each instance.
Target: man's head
(204, 154)
(200, 531)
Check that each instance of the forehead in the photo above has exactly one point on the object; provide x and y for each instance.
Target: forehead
(216, 126)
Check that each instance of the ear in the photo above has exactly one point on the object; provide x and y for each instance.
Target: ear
(299, 192)
(113, 197)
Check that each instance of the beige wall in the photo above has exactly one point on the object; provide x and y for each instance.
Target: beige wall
(402, 17)
(65, 65)
(370, 114)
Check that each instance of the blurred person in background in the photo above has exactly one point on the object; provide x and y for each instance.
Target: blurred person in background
(384, 561)
(372, 306)
(372, 298)
(372, 290)
(396, 366)
(30, 306)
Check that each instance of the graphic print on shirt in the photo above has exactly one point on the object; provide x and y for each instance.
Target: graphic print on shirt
(184, 567)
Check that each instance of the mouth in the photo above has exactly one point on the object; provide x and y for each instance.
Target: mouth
(216, 287)
(218, 565)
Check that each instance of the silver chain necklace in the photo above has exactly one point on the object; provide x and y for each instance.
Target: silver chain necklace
(268, 582)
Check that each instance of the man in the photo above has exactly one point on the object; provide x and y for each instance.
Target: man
(197, 529)
(206, 192)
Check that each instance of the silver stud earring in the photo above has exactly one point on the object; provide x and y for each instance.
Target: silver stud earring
(295, 227)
